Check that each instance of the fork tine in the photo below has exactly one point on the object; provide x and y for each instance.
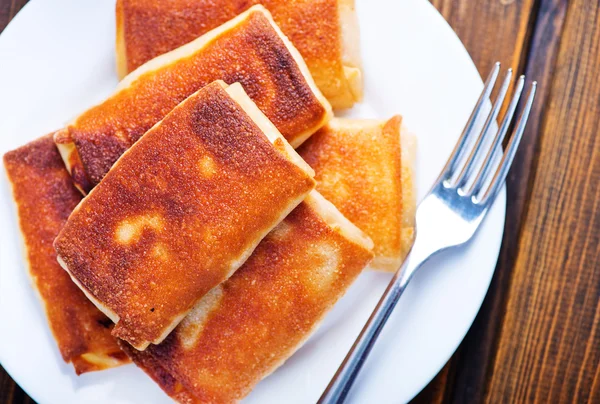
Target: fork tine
(509, 155)
(448, 171)
(467, 170)
(487, 165)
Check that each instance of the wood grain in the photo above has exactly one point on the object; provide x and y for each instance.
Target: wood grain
(491, 30)
(549, 346)
(10, 392)
(440, 388)
(8, 9)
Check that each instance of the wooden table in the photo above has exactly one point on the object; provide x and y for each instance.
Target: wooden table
(537, 336)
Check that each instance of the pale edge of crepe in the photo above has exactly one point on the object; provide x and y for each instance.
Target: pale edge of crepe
(120, 44)
(408, 152)
(237, 93)
(351, 60)
(200, 313)
(408, 144)
(102, 361)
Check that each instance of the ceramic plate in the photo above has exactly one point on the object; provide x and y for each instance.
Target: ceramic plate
(57, 59)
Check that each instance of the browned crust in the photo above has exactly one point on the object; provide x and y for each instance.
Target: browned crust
(408, 142)
(359, 168)
(160, 375)
(152, 27)
(178, 213)
(263, 313)
(45, 196)
(250, 52)
(120, 45)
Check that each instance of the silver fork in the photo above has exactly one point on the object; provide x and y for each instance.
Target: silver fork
(449, 215)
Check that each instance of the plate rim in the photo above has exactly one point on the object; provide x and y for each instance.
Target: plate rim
(501, 200)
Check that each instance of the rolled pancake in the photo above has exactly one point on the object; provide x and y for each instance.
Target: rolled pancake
(180, 211)
(248, 326)
(324, 31)
(45, 196)
(365, 168)
(249, 49)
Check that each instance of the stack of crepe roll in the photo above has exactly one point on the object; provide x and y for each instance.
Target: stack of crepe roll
(204, 218)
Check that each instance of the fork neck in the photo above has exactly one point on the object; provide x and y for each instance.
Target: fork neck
(417, 256)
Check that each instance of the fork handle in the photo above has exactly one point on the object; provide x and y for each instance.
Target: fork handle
(340, 385)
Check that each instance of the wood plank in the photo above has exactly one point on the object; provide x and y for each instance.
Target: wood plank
(440, 388)
(8, 9)
(549, 347)
(491, 30)
(10, 393)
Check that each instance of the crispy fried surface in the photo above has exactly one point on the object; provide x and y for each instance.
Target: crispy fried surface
(359, 169)
(252, 323)
(160, 375)
(45, 196)
(249, 50)
(324, 31)
(179, 213)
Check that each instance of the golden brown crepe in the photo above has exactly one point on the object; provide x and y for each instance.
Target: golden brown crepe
(248, 326)
(365, 169)
(181, 211)
(249, 49)
(45, 196)
(324, 31)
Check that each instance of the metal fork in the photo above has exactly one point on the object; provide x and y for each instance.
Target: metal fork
(449, 215)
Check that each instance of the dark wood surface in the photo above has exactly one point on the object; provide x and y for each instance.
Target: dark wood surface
(537, 336)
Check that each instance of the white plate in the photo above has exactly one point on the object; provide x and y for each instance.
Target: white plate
(57, 58)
